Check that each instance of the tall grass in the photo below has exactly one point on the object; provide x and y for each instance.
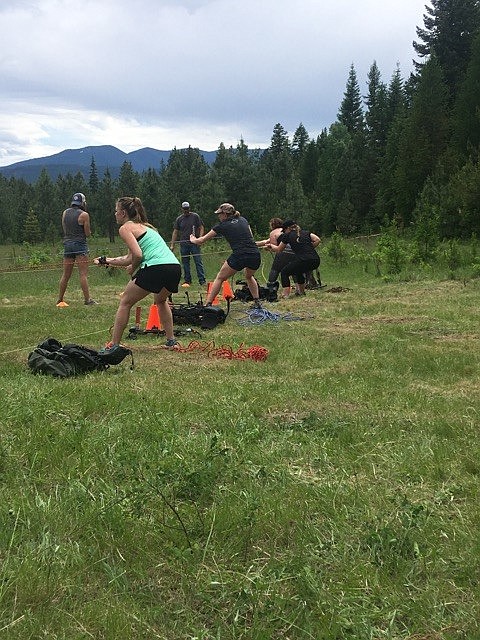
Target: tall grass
(330, 492)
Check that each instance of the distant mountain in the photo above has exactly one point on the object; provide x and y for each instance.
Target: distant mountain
(79, 161)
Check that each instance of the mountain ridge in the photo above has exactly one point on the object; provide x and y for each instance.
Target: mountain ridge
(79, 161)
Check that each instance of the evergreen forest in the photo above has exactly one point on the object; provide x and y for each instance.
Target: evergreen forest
(406, 153)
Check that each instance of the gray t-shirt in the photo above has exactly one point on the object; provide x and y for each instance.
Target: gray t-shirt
(187, 224)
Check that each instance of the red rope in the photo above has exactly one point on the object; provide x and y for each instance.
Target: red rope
(255, 352)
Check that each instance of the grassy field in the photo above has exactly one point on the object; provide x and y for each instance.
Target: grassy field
(328, 493)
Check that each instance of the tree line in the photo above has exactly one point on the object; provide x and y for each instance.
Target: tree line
(405, 153)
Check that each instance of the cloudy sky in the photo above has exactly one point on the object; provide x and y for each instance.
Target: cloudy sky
(173, 73)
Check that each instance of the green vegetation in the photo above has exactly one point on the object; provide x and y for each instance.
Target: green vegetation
(331, 492)
(403, 152)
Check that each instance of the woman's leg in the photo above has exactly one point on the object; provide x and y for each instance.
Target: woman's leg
(67, 272)
(225, 272)
(132, 294)
(285, 279)
(82, 264)
(165, 312)
(251, 282)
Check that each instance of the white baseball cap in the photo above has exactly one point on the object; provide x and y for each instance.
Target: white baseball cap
(185, 205)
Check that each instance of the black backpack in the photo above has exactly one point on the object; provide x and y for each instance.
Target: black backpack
(63, 361)
(199, 315)
(269, 293)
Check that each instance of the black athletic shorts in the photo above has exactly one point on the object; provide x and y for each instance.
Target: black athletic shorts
(158, 276)
(239, 261)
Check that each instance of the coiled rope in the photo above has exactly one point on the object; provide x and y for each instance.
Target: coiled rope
(262, 315)
(255, 352)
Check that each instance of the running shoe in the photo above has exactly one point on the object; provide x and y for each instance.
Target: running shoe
(91, 301)
(110, 347)
(171, 344)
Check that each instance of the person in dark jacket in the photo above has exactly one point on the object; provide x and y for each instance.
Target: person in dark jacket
(76, 230)
(303, 244)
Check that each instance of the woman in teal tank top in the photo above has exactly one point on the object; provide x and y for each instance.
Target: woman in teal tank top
(153, 267)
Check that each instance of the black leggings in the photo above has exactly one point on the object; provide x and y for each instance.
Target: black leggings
(280, 261)
(299, 267)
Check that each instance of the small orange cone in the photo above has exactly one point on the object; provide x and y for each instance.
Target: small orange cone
(153, 321)
(209, 286)
(227, 291)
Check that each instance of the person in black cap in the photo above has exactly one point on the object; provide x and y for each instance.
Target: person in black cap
(76, 230)
(303, 244)
(187, 223)
(280, 260)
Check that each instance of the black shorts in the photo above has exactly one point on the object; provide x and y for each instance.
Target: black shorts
(239, 261)
(157, 277)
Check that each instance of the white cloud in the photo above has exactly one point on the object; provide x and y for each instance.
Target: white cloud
(167, 73)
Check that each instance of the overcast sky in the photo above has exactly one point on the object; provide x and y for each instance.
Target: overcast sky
(173, 73)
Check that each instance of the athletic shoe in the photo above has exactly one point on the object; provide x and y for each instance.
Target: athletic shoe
(62, 304)
(171, 344)
(110, 347)
(91, 301)
(186, 284)
(256, 305)
(202, 284)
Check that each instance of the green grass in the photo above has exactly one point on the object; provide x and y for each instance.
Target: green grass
(330, 492)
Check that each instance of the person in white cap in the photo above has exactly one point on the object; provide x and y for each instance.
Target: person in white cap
(186, 224)
(76, 230)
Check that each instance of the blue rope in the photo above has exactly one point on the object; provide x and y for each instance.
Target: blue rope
(260, 316)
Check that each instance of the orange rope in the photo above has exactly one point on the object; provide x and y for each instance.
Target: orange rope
(255, 352)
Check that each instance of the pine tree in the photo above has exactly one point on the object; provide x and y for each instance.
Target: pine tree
(376, 131)
(300, 141)
(377, 115)
(384, 207)
(466, 116)
(128, 179)
(31, 228)
(46, 203)
(424, 139)
(276, 169)
(396, 98)
(450, 27)
(93, 181)
(105, 219)
(351, 113)
(308, 168)
(149, 192)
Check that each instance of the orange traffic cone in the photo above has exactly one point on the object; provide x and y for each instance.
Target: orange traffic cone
(227, 291)
(209, 286)
(153, 321)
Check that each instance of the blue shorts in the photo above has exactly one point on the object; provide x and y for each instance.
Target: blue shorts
(239, 261)
(74, 248)
(158, 276)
